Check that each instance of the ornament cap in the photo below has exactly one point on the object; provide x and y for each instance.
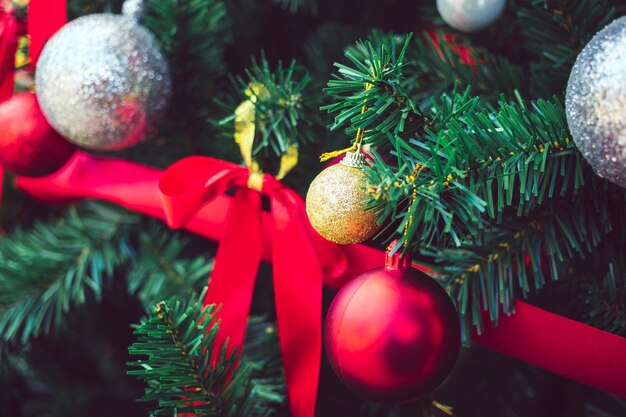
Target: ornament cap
(355, 158)
(395, 260)
(133, 8)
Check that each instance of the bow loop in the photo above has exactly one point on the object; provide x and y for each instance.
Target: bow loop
(192, 182)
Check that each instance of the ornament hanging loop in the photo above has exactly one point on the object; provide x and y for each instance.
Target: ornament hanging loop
(358, 139)
(416, 171)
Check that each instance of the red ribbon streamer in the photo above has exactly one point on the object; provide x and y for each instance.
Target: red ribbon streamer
(549, 341)
(560, 345)
(45, 18)
(9, 32)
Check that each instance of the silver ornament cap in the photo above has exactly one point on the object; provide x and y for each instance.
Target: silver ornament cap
(103, 82)
(595, 102)
(133, 8)
(470, 15)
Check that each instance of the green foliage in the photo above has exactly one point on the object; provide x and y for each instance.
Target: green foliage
(326, 45)
(437, 61)
(53, 267)
(193, 35)
(47, 270)
(263, 356)
(606, 299)
(285, 105)
(77, 8)
(475, 163)
(181, 373)
(554, 32)
(160, 268)
(296, 5)
(389, 110)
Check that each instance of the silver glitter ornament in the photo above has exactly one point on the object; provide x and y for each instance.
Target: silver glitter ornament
(102, 81)
(470, 15)
(595, 102)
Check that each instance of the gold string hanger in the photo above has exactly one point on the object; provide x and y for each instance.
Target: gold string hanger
(360, 134)
(411, 178)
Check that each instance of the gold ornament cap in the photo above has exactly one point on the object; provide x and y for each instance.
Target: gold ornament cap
(354, 159)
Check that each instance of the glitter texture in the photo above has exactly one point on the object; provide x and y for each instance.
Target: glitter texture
(103, 82)
(596, 102)
(335, 204)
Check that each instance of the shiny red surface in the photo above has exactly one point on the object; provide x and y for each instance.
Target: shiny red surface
(392, 335)
(28, 144)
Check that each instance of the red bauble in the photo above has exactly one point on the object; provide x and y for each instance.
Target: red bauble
(392, 334)
(28, 144)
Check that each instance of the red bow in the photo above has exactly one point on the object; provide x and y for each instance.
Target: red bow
(298, 256)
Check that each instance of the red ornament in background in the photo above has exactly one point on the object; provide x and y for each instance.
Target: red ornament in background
(28, 144)
(392, 334)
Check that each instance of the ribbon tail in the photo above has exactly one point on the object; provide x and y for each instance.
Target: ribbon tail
(236, 264)
(298, 292)
(1, 182)
(44, 19)
(9, 32)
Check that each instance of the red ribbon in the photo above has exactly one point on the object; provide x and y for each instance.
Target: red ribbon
(10, 29)
(544, 339)
(45, 18)
(9, 32)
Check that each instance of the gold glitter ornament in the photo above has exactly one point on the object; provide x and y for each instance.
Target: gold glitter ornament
(335, 202)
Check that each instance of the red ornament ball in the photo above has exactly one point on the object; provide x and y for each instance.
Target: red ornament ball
(392, 334)
(28, 144)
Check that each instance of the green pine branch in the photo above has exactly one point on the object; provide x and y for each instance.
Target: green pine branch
(553, 33)
(294, 6)
(605, 299)
(160, 268)
(181, 374)
(77, 8)
(371, 95)
(47, 270)
(193, 35)
(262, 353)
(439, 60)
(285, 105)
(401, 85)
(596, 286)
(475, 163)
(518, 257)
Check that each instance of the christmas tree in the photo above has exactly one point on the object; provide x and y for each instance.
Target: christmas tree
(484, 141)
